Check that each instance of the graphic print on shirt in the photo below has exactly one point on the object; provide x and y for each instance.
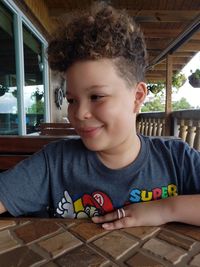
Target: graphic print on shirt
(138, 195)
(98, 203)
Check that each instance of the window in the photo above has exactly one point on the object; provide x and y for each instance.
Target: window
(34, 87)
(8, 88)
(23, 73)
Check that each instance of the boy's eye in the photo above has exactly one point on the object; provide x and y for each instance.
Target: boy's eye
(96, 97)
(70, 100)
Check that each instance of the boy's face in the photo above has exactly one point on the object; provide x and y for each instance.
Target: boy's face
(102, 108)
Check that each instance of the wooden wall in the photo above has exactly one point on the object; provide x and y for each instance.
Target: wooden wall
(57, 115)
(40, 11)
(37, 13)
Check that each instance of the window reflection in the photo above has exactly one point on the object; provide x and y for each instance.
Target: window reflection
(34, 85)
(8, 89)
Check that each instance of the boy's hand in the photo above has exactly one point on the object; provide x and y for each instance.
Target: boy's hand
(151, 213)
(183, 208)
(2, 208)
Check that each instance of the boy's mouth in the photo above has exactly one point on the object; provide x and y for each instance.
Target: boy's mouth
(89, 131)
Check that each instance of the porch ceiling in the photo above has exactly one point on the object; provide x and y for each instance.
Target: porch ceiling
(162, 21)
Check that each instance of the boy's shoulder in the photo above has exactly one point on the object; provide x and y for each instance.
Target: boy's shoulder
(161, 143)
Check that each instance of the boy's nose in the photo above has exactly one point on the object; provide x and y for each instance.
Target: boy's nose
(83, 112)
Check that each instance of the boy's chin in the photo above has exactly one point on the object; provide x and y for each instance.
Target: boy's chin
(93, 146)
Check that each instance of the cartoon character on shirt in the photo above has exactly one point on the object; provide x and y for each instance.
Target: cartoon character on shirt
(98, 203)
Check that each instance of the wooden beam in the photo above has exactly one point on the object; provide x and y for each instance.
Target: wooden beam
(163, 67)
(183, 54)
(193, 46)
(158, 32)
(156, 73)
(168, 99)
(143, 15)
(156, 44)
(163, 15)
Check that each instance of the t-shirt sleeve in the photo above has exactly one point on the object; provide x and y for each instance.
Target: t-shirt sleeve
(24, 189)
(191, 171)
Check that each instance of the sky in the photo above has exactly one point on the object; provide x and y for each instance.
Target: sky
(191, 94)
(8, 103)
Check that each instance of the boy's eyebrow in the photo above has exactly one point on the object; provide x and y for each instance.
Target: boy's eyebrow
(90, 88)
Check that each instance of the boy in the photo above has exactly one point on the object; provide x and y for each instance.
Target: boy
(111, 174)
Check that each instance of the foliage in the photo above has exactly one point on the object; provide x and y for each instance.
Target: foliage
(155, 88)
(196, 74)
(194, 78)
(36, 108)
(37, 94)
(157, 105)
(178, 80)
(3, 89)
(181, 104)
(14, 93)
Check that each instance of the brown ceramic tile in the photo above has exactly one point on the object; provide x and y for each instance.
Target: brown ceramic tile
(142, 232)
(21, 257)
(141, 260)
(6, 223)
(60, 243)
(187, 230)
(7, 242)
(195, 261)
(88, 231)
(35, 230)
(176, 240)
(165, 250)
(67, 223)
(110, 264)
(115, 244)
(50, 264)
(82, 256)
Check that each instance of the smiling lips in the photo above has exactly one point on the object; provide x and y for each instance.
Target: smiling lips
(89, 131)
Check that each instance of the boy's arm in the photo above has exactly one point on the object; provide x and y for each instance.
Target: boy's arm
(185, 209)
(2, 208)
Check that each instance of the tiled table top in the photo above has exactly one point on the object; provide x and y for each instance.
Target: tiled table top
(59, 242)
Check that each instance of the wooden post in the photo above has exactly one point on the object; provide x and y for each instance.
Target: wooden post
(168, 99)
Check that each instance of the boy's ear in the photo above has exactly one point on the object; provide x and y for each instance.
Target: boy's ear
(140, 95)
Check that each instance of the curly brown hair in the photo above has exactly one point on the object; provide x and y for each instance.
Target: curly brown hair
(102, 32)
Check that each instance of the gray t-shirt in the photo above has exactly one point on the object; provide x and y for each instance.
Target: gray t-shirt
(65, 179)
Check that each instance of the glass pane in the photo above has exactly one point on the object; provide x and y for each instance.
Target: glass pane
(8, 89)
(34, 86)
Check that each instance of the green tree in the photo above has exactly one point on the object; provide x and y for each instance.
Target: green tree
(155, 105)
(181, 104)
(36, 108)
(158, 105)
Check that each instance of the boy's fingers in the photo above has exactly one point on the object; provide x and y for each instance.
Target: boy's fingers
(118, 224)
(112, 216)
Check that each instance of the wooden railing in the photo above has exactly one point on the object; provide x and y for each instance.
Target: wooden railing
(151, 124)
(62, 129)
(13, 149)
(184, 124)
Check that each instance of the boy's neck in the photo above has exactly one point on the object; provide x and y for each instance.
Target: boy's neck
(120, 158)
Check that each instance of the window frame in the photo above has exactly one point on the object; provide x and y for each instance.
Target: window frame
(19, 19)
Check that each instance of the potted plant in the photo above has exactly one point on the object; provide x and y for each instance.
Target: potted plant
(14, 93)
(194, 78)
(38, 95)
(155, 88)
(3, 90)
(178, 80)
